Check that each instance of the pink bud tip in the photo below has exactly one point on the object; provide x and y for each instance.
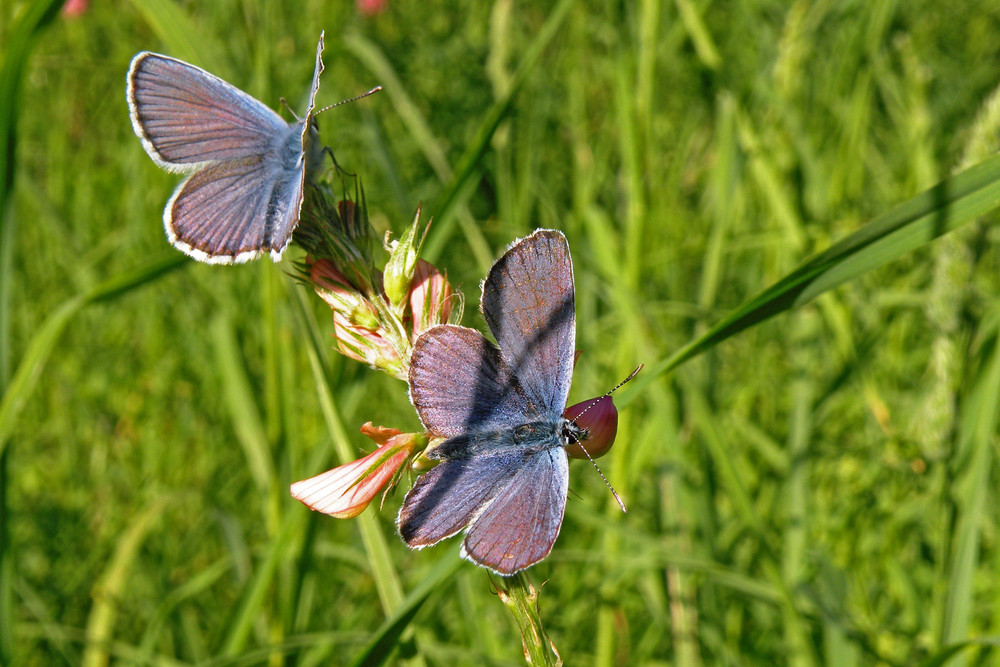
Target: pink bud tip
(600, 418)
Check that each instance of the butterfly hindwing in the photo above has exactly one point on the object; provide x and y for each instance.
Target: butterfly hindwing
(232, 212)
(445, 499)
(519, 526)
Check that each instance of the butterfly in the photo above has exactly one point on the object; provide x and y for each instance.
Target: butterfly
(247, 168)
(503, 474)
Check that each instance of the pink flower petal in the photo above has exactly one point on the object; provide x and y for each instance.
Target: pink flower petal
(345, 491)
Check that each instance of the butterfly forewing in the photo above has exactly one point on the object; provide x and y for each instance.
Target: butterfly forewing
(459, 383)
(528, 302)
(186, 116)
(308, 128)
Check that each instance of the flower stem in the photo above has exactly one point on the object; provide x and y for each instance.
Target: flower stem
(520, 597)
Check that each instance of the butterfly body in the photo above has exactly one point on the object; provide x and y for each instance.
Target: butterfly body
(503, 474)
(247, 167)
(531, 437)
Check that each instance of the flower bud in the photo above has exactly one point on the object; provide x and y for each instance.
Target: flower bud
(340, 294)
(369, 346)
(402, 263)
(599, 418)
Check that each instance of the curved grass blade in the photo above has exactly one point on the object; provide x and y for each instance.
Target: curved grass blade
(22, 40)
(948, 205)
(942, 657)
(42, 343)
(248, 424)
(418, 127)
(182, 37)
(254, 594)
(108, 590)
(387, 637)
(469, 162)
(972, 491)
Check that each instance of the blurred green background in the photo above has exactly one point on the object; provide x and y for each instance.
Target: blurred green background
(818, 489)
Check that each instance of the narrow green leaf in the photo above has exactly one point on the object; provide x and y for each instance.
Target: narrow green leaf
(243, 409)
(946, 206)
(110, 588)
(198, 584)
(255, 595)
(419, 128)
(44, 341)
(948, 652)
(23, 37)
(978, 428)
(181, 36)
(702, 40)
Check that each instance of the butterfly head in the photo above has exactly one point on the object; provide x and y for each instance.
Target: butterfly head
(572, 433)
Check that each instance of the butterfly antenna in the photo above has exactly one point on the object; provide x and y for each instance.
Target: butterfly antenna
(582, 447)
(348, 101)
(594, 463)
(613, 390)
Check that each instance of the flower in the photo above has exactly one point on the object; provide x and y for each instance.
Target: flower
(345, 491)
(376, 314)
(75, 8)
(599, 418)
(339, 232)
(371, 346)
(342, 295)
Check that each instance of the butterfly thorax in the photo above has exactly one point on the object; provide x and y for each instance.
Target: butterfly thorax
(295, 147)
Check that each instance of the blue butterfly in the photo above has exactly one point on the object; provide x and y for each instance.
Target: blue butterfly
(504, 472)
(247, 167)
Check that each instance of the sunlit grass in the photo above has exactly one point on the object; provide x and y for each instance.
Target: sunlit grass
(818, 488)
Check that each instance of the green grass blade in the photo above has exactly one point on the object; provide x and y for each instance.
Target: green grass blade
(181, 36)
(469, 162)
(255, 595)
(946, 206)
(23, 37)
(419, 128)
(111, 586)
(701, 38)
(201, 582)
(978, 430)
(942, 657)
(243, 409)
